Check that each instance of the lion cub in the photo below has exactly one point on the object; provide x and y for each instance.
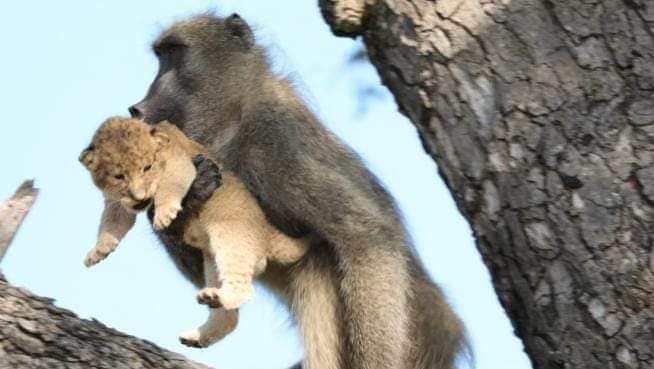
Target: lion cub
(137, 165)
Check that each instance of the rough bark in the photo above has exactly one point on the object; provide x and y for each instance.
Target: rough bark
(35, 334)
(13, 211)
(540, 116)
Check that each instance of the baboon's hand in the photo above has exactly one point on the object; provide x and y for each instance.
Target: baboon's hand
(164, 214)
(206, 181)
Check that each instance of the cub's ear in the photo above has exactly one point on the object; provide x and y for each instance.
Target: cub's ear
(88, 157)
(238, 28)
(160, 136)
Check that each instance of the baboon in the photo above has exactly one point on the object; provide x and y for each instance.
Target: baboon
(360, 296)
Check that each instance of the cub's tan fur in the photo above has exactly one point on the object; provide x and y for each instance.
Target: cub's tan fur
(135, 165)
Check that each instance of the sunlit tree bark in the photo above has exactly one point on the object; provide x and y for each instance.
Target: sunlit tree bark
(35, 334)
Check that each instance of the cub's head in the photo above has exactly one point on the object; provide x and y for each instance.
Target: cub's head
(124, 161)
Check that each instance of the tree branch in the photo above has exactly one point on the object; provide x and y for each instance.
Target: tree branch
(13, 211)
(36, 334)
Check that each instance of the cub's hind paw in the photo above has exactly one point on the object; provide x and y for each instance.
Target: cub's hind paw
(164, 214)
(192, 338)
(229, 296)
(210, 296)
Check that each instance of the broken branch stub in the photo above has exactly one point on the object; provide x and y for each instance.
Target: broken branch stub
(13, 211)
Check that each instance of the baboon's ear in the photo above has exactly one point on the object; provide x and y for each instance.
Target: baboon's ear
(160, 136)
(237, 27)
(87, 157)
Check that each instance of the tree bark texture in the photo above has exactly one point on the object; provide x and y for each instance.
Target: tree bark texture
(540, 116)
(37, 335)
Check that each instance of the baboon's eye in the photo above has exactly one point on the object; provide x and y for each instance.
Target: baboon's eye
(119, 177)
(147, 168)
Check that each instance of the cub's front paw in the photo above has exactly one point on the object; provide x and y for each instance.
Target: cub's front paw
(98, 254)
(193, 338)
(164, 214)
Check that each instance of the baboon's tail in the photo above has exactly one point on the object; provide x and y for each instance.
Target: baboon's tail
(439, 332)
(317, 308)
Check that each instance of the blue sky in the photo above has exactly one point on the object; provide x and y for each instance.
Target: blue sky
(67, 65)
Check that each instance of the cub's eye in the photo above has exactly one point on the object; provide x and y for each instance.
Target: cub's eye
(119, 177)
(147, 168)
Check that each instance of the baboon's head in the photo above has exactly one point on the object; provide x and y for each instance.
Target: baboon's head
(124, 161)
(206, 64)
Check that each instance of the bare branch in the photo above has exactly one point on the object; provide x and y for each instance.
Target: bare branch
(34, 333)
(13, 211)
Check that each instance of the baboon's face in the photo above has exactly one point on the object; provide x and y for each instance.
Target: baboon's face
(167, 93)
(201, 63)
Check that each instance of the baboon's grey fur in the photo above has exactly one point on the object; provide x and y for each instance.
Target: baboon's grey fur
(360, 296)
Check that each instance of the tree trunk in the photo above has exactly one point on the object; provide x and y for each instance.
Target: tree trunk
(35, 334)
(540, 116)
